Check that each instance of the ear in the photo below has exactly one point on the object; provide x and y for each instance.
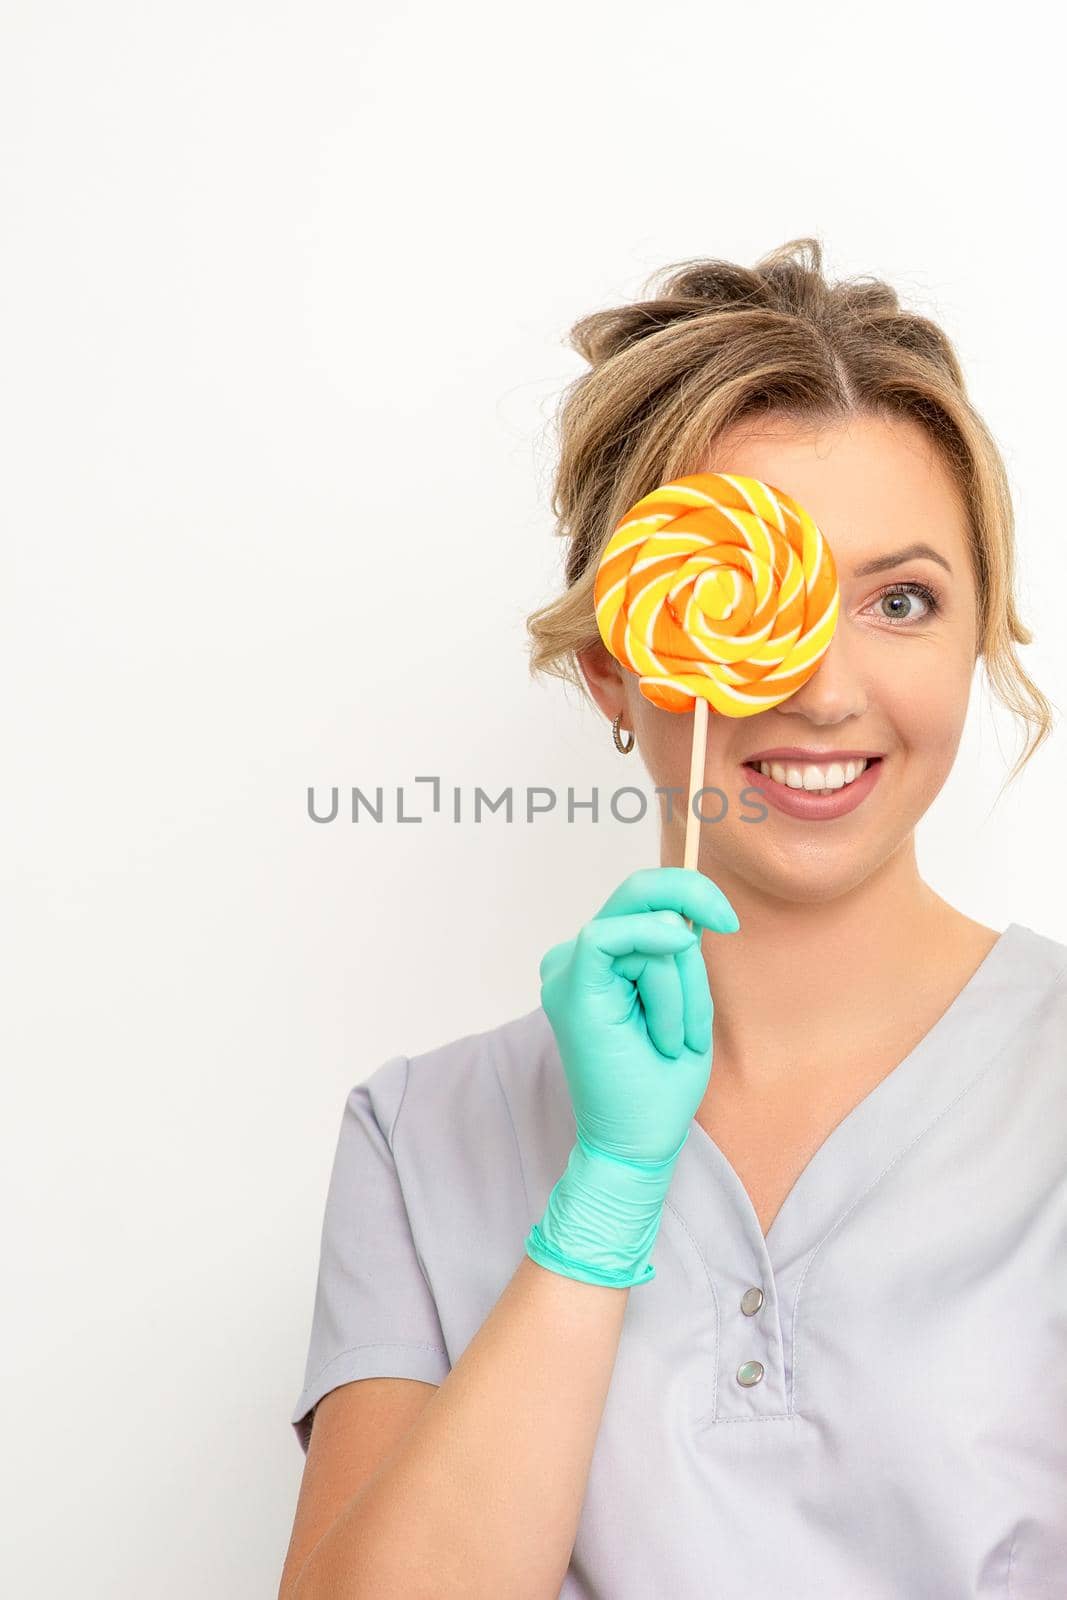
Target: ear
(603, 675)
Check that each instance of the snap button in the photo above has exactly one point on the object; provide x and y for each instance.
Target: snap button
(751, 1301)
(750, 1372)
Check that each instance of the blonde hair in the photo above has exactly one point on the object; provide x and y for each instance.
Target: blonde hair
(720, 342)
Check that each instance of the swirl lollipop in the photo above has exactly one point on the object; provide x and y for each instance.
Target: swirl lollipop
(716, 590)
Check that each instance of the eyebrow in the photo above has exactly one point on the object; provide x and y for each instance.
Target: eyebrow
(896, 557)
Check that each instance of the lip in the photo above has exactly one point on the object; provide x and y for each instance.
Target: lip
(813, 807)
(794, 752)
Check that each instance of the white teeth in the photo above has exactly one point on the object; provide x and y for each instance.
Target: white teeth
(817, 780)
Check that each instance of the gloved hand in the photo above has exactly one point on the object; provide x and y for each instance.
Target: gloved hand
(630, 1006)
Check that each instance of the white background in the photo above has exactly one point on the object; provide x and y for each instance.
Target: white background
(284, 295)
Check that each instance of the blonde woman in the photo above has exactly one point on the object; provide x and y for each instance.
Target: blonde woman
(738, 1267)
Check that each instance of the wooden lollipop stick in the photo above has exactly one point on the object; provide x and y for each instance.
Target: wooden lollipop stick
(696, 781)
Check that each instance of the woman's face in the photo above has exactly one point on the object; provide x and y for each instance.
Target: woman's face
(895, 680)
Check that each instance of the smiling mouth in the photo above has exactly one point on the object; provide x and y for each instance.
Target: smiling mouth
(801, 788)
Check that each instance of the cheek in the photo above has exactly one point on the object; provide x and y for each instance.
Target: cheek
(925, 713)
(664, 741)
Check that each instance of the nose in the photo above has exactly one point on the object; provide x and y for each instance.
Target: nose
(836, 689)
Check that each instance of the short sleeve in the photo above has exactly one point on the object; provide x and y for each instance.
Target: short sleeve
(374, 1315)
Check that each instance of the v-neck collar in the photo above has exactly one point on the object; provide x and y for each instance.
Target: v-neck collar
(965, 1040)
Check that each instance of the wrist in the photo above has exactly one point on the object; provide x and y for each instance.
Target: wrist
(602, 1217)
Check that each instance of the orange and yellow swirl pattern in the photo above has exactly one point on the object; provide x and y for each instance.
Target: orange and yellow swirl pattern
(719, 587)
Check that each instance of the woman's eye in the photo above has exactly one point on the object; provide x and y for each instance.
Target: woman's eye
(898, 603)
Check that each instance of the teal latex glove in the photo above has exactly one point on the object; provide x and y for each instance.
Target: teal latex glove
(631, 1009)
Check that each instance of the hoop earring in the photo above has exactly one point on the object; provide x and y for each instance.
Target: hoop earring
(623, 749)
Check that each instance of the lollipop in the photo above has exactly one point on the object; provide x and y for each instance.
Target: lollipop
(716, 590)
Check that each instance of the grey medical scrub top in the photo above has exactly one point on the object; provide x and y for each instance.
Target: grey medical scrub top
(905, 1318)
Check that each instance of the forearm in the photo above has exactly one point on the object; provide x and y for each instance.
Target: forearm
(484, 1495)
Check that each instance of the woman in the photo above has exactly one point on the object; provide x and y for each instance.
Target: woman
(859, 1218)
